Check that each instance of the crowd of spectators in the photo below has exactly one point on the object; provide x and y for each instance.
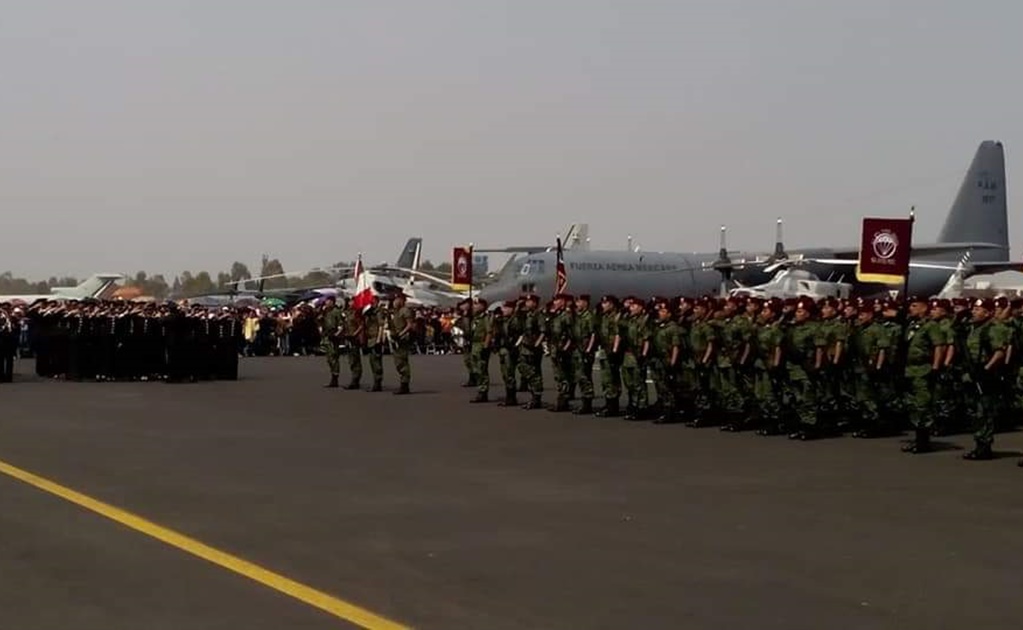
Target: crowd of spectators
(295, 331)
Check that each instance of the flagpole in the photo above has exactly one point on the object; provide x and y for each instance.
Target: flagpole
(905, 280)
(472, 306)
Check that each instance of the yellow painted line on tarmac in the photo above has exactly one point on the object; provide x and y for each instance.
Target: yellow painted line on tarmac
(318, 599)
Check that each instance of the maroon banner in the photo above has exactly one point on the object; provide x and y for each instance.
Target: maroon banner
(461, 266)
(885, 248)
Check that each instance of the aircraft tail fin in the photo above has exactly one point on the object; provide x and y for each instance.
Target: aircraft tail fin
(92, 287)
(409, 258)
(980, 212)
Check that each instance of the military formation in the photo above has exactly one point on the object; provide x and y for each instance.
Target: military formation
(94, 340)
(368, 332)
(799, 367)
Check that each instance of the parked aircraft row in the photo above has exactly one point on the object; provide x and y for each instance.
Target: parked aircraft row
(92, 287)
(976, 226)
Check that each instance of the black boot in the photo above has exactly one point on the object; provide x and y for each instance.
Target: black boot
(472, 382)
(586, 408)
(669, 416)
(535, 403)
(611, 409)
(378, 386)
(560, 406)
(921, 443)
(981, 452)
(354, 385)
(509, 399)
(402, 390)
(333, 382)
(481, 397)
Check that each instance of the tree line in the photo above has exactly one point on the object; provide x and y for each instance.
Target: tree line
(191, 284)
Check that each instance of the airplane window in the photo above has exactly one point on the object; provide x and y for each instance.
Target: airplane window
(524, 271)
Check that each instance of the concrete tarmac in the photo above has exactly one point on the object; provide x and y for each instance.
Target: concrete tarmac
(439, 514)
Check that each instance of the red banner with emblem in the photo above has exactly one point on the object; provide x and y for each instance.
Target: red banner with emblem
(461, 266)
(885, 248)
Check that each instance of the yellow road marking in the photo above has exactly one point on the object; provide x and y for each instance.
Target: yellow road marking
(318, 599)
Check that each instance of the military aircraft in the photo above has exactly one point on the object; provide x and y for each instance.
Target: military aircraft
(977, 223)
(384, 279)
(92, 287)
(795, 283)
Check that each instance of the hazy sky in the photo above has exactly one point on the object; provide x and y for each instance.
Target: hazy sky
(152, 134)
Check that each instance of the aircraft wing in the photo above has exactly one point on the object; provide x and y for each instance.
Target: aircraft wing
(927, 249)
(973, 268)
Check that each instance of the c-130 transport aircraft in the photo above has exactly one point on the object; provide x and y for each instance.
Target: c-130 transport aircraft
(976, 228)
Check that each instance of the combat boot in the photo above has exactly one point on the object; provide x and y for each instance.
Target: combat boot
(586, 408)
(610, 410)
(535, 403)
(981, 452)
(472, 382)
(669, 416)
(333, 382)
(481, 397)
(921, 443)
(354, 385)
(378, 386)
(510, 399)
(560, 406)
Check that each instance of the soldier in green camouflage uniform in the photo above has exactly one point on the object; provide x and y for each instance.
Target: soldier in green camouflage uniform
(702, 347)
(665, 355)
(355, 335)
(507, 330)
(464, 323)
(769, 384)
(870, 349)
(332, 327)
(944, 390)
(482, 338)
(584, 339)
(373, 321)
(402, 322)
(530, 345)
(926, 345)
(634, 343)
(735, 332)
(830, 361)
(1004, 402)
(561, 346)
(802, 342)
(608, 326)
(987, 343)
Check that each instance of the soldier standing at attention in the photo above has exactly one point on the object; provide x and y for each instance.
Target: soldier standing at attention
(769, 383)
(736, 332)
(560, 343)
(507, 331)
(332, 325)
(373, 322)
(530, 344)
(402, 322)
(634, 343)
(666, 353)
(703, 342)
(944, 386)
(355, 333)
(464, 323)
(584, 338)
(926, 346)
(871, 350)
(482, 340)
(802, 341)
(987, 343)
(610, 362)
